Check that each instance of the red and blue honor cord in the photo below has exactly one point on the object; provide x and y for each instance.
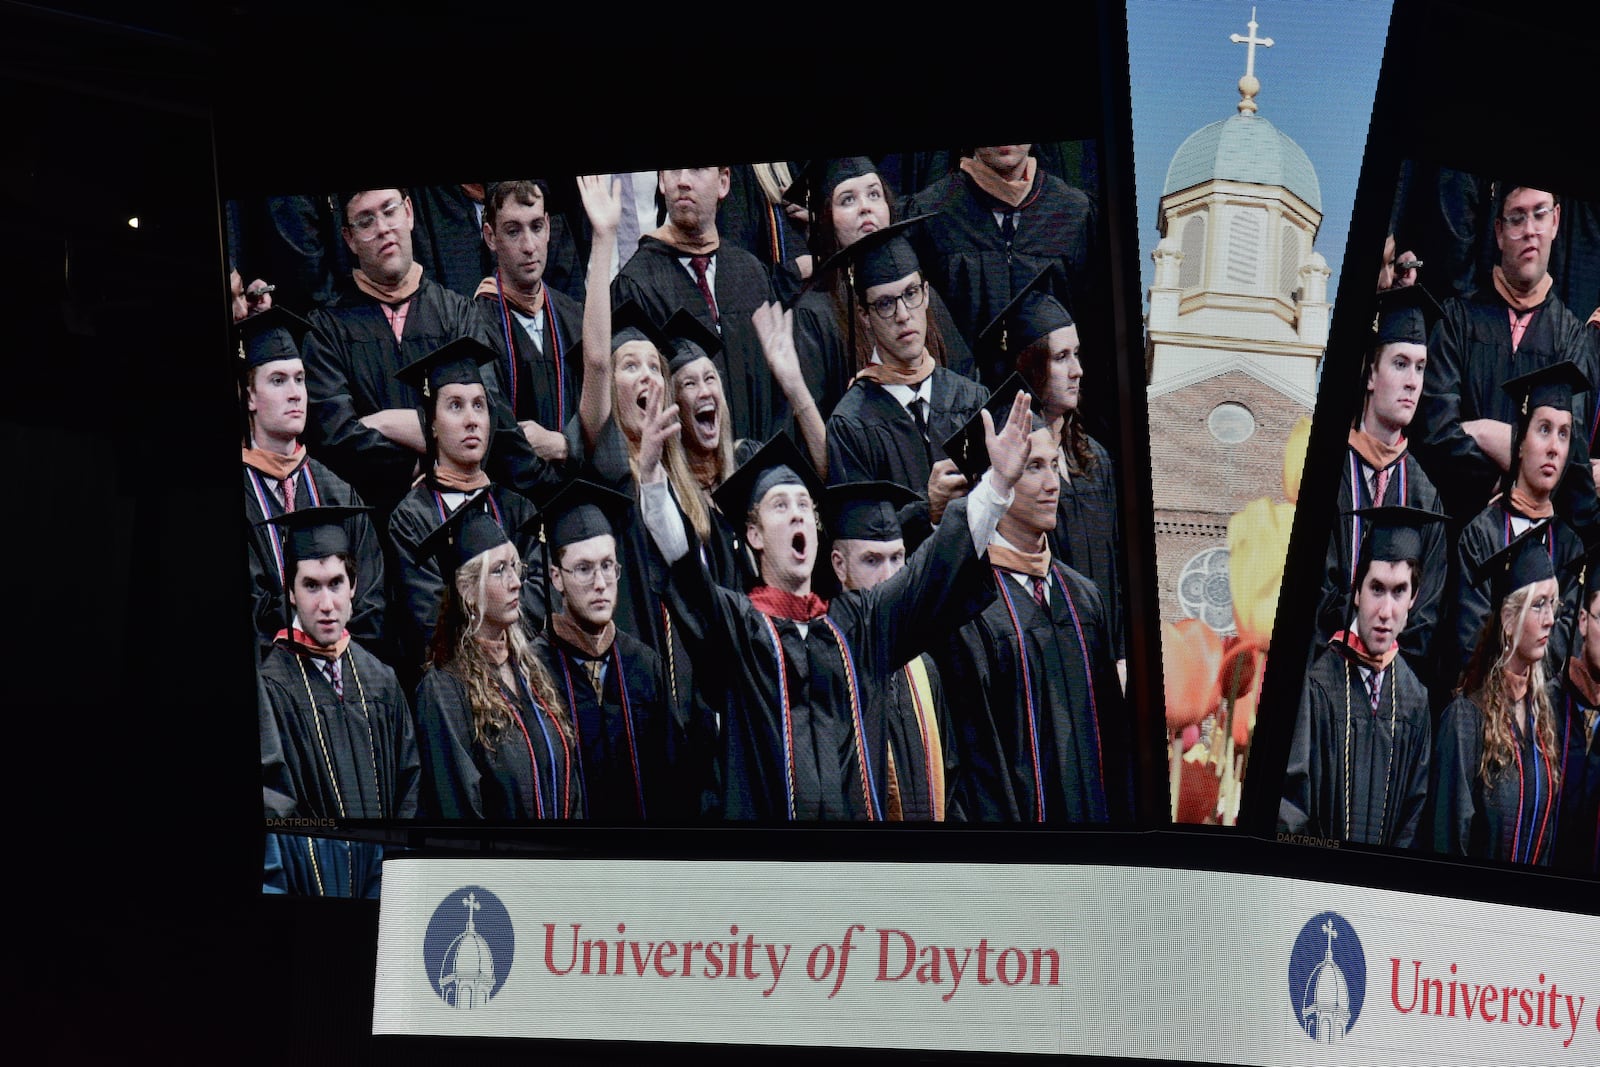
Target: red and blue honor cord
(627, 721)
(558, 354)
(265, 501)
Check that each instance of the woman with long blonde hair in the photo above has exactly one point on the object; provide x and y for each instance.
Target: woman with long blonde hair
(495, 740)
(1495, 770)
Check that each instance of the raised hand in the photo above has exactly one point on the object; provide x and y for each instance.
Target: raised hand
(775, 330)
(603, 207)
(658, 428)
(1008, 448)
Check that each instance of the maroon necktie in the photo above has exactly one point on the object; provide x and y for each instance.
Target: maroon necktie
(1038, 591)
(1382, 484)
(1375, 686)
(336, 677)
(700, 263)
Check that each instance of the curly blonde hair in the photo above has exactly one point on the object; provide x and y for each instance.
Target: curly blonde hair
(1484, 682)
(456, 649)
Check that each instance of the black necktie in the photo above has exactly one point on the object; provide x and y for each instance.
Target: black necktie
(1008, 226)
(919, 412)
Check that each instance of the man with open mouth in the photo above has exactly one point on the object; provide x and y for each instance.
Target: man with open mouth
(805, 679)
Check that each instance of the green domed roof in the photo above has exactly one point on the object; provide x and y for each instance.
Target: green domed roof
(1244, 148)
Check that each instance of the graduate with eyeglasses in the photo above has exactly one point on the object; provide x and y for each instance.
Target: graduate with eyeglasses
(892, 422)
(495, 736)
(613, 685)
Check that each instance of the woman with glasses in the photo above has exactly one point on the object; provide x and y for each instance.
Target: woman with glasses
(1496, 769)
(1540, 448)
(495, 738)
(458, 428)
(614, 686)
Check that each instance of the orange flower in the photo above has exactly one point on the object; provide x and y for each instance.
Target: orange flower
(1258, 541)
(1294, 458)
(1191, 655)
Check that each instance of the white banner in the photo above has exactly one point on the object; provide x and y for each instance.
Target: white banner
(1127, 961)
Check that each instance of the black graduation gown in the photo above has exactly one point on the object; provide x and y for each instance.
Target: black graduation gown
(447, 237)
(1468, 604)
(1058, 734)
(1088, 536)
(917, 719)
(1469, 357)
(315, 485)
(1376, 757)
(1578, 831)
(322, 867)
(661, 285)
(418, 587)
(354, 758)
(350, 358)
(791, 746)
(872, 437)
(1512, 820)
(1410, 487)
(968, 261)
(626, 741)
(277, 791)
(528, 773)
(532, 386)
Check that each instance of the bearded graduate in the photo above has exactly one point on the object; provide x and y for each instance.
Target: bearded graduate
(457, 416)
(845, 199)
(806, 680)
(1378, 470)
(892, 422)
(1358, 763)
(1044, 731)
(1575, 699)
(341, 719)
(1541, 446)
(495, 739)
(1036, 334)
(868, 549)
(280, 475)
(1496, 763)
(613, 686)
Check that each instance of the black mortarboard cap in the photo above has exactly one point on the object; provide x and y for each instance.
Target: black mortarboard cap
(813, 188)
(1551, 386)
(455, 363)
(316, 533)
(581, 510)
(1033, 313)
(778, 462)
(867, 511)
(1393, 532)
(631, 322)
(879, 257)
(469, 532)
(687, 339)
(967, 446)
(1522, 562)
(1405, 315)
(271, 335)
(1587, 567)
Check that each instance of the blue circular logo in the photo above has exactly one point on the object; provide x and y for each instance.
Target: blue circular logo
(1327, 978)
(468, 947)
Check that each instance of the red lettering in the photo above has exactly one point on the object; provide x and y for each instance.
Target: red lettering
(909, 946)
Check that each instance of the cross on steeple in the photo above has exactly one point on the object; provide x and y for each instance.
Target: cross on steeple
(470, 901)
(1327, 928)
(1248, 85)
